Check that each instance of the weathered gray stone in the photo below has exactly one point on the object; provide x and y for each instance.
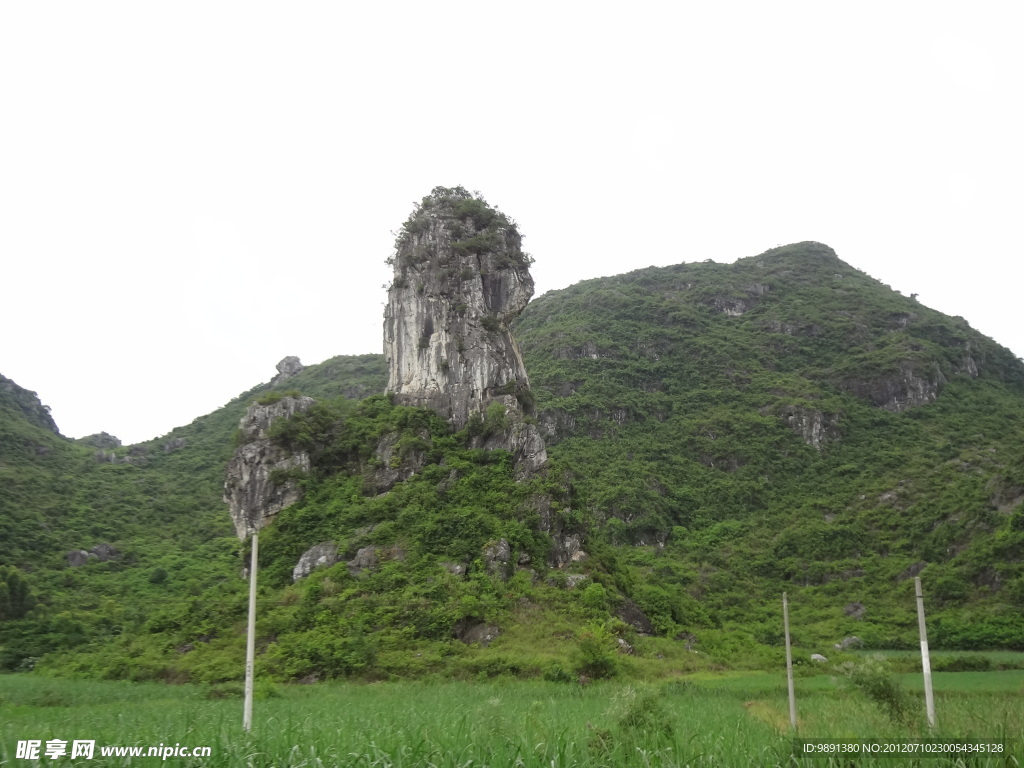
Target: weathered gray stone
(901, 390)
(77, 557)
(630, 613)
(175, 444)
(252, 494)
(818, 658)
(815, 427)
(849, 642)
(321, 556)
(100, 440)
(104, 552)
(455, 569)
(855, 610)
(573, 580)
(497, 557)
(475, 632)
(287, 368)
(624, 647)
(460, 279)
(568, 549)
(365, 560)
(391, 467)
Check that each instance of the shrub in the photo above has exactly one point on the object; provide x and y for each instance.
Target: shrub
(597, 652)
(874, 679)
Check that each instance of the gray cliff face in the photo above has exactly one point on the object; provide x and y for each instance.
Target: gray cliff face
(288, 367)
(460, 279)
(815, 427)
(898, 392)
(251, 489)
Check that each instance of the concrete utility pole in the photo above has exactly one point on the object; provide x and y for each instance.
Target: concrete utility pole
(250, 642)
(926, 664)
(789, 664)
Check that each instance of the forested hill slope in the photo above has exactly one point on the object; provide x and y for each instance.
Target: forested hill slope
(785, 421)
(717, 434)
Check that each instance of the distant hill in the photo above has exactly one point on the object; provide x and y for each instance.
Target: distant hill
(717, 434)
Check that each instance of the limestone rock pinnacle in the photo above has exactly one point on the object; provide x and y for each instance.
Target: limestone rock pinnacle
(460, 279)
(287, 368)
(258, 485)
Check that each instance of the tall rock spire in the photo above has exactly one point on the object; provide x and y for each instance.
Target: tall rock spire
(461, 278)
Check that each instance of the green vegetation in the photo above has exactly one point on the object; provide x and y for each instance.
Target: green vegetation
(714, 722)
(717, 434)
(475, 226)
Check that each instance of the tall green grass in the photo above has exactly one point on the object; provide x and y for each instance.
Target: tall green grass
(726, 721)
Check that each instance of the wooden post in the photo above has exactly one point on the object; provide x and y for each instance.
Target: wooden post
(250, 643)
(789, 664)
(926, 665)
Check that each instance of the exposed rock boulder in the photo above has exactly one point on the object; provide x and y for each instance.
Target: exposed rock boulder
(104, 552)
(175, 444)
(258, 485)
(101, 552)
(460, 279)
(78, 557)
(630, 613)
(365, 560)
(906, 388)
(855, 611)
(817, 657)
(321, 556)
(815, 427)
(287, 368)
(100, 440)
(573, 580)
(497, 557)
(849, 642)
(393, 467)
(469, 631)
(568, 548)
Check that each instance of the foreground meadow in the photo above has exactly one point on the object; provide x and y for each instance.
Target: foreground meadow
(703, 720)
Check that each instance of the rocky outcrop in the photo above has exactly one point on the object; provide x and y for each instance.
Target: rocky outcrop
(260, 480)
(101, 440)
(78, 557)
(104, 552)
(568, 548)
(815, 427)
(287, 368)
(392, 465)
(907, 388)
(28, 403)
(321, 556)
(101, 552)
(365, 560)
(460, 279)
(497, 556)
(469, 632)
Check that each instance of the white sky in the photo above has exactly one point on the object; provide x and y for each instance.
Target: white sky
(191, 191)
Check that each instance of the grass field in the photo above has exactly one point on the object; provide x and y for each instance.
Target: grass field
(701, 720)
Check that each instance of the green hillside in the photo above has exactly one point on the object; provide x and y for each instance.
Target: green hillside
(717, 434)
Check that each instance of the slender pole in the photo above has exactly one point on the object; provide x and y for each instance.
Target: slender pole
(926, 664)
(789, 664)
(250, 644)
